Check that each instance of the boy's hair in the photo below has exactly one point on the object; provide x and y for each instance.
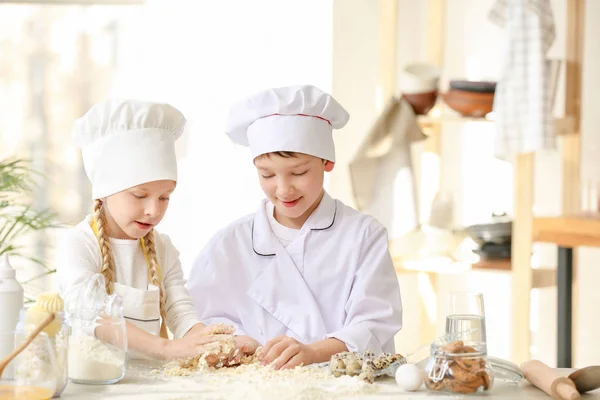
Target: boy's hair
(284, 154)
(108, 263)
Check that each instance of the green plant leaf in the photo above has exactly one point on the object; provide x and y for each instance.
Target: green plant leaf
(18, 216)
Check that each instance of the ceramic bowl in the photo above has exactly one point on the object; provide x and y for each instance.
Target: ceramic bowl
(469, 104)
(421, 103)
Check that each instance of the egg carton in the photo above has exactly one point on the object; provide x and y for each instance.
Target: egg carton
(365, 365)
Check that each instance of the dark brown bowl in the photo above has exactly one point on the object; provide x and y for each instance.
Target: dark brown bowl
(421, 103)
(473, 86)
(469, 104)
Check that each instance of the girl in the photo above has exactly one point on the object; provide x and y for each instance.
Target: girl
(128, 150)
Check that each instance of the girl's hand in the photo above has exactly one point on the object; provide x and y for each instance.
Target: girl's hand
(195, 340)
(244, 346)
(191, 346)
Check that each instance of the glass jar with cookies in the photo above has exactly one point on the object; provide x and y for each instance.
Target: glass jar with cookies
(458, 367)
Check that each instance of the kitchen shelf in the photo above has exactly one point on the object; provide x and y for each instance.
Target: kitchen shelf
(493, 265)
(564, 125)
(526, 228)
(568, 230)
(565, 230)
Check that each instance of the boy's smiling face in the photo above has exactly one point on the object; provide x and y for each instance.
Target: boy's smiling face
(293, 182)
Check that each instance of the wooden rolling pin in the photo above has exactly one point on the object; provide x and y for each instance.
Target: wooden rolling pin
(546, 379)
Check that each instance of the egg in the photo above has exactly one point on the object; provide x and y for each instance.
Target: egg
(353, 368)
(409, 377)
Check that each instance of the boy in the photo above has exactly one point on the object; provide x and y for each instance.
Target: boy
(306, 275)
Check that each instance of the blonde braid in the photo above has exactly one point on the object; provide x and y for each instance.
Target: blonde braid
(156, 281)
(108, 263)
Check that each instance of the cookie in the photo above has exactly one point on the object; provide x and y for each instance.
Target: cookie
(453, 347)
(435, 386)
(457, 387)
(471, 364)
(466, 349)
(475, 383)
(463, 376)
(486, 380)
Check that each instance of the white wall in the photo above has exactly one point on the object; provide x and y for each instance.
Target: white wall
(354, 81)
(203, 57)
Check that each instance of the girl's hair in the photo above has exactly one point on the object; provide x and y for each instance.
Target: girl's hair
(108, 263)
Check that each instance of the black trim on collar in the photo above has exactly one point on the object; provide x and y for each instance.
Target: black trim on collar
(332, 221)
(252, 240)
(313, 229)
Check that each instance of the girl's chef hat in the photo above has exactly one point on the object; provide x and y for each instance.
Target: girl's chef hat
(294, 118)
(126, 143)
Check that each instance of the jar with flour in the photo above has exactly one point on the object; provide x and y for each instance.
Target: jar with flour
(98, 340)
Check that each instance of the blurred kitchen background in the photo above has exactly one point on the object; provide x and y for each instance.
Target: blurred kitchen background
(433, 179)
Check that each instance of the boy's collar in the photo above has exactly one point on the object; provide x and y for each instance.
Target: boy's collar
(265, 243)
(324, 215)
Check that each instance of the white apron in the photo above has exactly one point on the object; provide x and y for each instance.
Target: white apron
(140, 307)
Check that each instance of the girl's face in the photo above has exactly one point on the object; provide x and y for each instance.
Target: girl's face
(132, 213)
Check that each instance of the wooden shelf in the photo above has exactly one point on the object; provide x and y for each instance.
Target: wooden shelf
(493, 265)
(564, 126)
(434, 266)
(540, 277)
(569, 230)
(441, 268)
(443, 114)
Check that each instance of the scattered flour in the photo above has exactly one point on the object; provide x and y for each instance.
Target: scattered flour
(254, 381)
(223, 375)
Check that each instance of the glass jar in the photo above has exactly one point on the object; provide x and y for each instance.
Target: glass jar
(46, 357)
(36, 368)
(98, 339)
(458, 367)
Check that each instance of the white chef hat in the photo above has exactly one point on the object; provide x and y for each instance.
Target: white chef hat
(294, 118)
(126, 143)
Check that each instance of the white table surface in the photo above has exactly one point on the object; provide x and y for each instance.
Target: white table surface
(140, 383)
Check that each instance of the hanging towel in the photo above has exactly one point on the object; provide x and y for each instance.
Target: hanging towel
(523, 99)
(381, 171)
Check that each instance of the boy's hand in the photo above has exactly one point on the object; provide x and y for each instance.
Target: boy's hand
(285, 352)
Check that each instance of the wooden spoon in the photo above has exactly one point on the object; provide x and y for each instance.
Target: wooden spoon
(26, 343)
(586, 379)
